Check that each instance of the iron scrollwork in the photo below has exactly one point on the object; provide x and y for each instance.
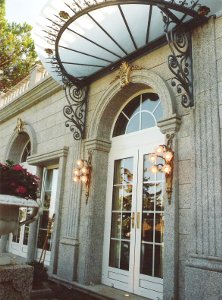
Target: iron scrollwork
(179, 61)
(75, 111)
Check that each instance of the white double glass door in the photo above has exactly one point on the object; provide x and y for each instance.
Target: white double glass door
(133, 243)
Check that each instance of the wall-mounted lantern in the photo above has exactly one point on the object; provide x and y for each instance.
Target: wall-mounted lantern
(82, 173)
(166, 155)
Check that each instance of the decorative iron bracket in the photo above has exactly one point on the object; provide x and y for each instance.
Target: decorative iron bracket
(180, 60)
(75, 111)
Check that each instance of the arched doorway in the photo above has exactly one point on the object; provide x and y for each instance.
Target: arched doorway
(133, 240)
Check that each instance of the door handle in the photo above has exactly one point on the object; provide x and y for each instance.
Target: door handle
(138, 220)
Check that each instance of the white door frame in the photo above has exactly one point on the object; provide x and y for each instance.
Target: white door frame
(122, 147)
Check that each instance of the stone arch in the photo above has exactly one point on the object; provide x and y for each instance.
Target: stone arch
(17, 142)
(115, 96)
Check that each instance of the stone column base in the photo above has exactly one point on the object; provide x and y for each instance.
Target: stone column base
(203, 278)
(16, 282)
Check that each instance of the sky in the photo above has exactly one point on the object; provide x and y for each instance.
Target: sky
(23, 10)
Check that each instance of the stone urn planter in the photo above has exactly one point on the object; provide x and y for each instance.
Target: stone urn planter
(18, 188)
(9, 217)
(9, 213)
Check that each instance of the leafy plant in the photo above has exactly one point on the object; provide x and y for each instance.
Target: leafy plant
(17, 181)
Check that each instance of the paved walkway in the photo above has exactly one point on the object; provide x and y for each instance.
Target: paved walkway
(55, 291)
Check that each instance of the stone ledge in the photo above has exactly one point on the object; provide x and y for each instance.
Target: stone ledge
(16, 282)
(210, 263)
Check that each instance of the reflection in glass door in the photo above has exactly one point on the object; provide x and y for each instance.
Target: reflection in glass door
(121, 214)
(48, 197)
(150, 230)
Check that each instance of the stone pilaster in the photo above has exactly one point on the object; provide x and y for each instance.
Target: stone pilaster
(171, 234)
(67, 252)
(207, 206)
(33, 232)
(93, 215)
(207, 144)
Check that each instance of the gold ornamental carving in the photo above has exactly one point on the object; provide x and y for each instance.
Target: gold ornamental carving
(125, 72)
(19, 126)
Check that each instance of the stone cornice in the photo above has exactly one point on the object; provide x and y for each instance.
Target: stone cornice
(42, 158)
(35, 95)
(99, 145)
(171, 124)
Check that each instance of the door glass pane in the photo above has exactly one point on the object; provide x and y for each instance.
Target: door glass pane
(158, 267)
(152, 228)
(119, 254)
(26, 234)
(49, 198)
(121, 214)
(123, 171)
(134, 124)
(116, 225)
(159, 196)
(125, 252)
(127, 197)
(22, 217)
(146, 263)
(159, 228)
(122, 197)
(126, 225)
(147, 120)
(26, 229)
(147, 227)
(114, 255)
(149, 190)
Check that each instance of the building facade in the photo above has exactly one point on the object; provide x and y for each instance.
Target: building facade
(127, 235)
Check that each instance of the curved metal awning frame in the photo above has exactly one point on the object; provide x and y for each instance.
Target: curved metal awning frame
(176, 35)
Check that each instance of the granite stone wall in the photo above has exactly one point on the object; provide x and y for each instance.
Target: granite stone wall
(193, 221)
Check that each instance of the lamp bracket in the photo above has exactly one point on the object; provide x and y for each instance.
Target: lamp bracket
(75, 111)
(180, 60)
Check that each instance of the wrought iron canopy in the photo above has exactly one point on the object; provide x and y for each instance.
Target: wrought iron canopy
(87, 38)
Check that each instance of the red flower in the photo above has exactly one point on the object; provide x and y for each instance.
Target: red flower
(21, 189)
(17, 168)
(16, 180)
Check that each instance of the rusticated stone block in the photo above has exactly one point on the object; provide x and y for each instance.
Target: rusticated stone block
(15, 282)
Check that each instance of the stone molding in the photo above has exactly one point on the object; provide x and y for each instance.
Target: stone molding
(44, 158)
(42, 91)
(205, 263)
(170, 125)
(27, 128)
(139, 78)
(69, 241)
(98, 145)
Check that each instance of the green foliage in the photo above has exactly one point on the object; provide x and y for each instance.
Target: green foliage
(17, 181)
(17, 52)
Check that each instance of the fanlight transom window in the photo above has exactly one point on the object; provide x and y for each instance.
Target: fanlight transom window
(142, 112)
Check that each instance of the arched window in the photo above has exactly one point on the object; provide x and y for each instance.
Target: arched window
(142, 112)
